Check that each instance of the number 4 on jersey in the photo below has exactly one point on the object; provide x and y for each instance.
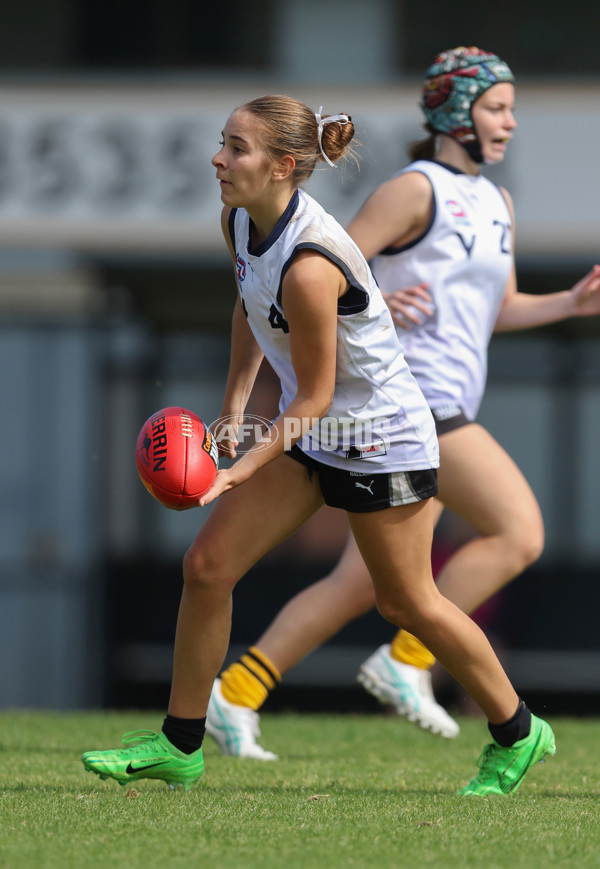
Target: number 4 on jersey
(277, 320)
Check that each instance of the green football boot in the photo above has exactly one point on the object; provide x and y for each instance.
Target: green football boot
(501, 770)
(146, 754)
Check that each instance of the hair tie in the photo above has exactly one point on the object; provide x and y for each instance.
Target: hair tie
(330, 119)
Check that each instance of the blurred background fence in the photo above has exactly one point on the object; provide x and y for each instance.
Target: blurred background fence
(116, 296)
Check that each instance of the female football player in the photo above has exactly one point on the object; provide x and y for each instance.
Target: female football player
(354, 432)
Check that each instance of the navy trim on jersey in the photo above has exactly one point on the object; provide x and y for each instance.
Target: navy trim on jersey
(391, 251)
(456, 171)
(354, 301)
(277, 229)
(231, 225)
(357, 299)
(447, 166)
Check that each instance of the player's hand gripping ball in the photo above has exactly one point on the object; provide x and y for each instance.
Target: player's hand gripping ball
(176, 457)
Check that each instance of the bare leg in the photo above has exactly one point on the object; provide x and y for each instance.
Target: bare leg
(244, 524)
(396, 546)
(318, 612)
(480, 482)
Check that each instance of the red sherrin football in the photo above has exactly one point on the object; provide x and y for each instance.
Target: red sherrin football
(176, 457)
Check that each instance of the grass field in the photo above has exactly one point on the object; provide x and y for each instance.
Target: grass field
(350, 790)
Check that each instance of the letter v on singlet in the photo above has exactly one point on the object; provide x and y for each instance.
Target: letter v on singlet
(468, 246)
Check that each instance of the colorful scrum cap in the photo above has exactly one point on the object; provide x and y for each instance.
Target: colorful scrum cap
(453, 83)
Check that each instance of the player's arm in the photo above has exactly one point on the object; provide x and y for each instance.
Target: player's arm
(244, 360)
(395, 214)
(525, 310)
(311, 288)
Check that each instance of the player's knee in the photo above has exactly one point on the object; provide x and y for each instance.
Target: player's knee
(528, 544)
(388, 611)
(400, 612)
(531, 551)
(202, 571)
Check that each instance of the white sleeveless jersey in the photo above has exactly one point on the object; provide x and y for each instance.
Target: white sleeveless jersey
(377, 402)
(466, 256)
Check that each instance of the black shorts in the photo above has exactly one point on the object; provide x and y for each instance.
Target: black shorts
(365, 493)
(448, 418)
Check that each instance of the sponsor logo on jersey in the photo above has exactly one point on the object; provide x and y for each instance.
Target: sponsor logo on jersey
(458, 212)
(240, 266)
(373, 450)
(366, 452)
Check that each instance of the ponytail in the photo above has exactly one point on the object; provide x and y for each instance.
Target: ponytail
(424, 149)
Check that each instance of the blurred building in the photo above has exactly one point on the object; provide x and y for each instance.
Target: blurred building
(116, 295)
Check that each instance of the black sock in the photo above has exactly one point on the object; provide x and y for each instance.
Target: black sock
(186, 734)
(515, 728)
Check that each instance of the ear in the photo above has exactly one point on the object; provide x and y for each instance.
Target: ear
(284, 168)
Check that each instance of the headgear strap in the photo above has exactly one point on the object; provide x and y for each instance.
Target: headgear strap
(330, 119)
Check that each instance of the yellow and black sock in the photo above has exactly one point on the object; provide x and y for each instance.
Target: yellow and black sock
(409, 650)
(249, 680)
